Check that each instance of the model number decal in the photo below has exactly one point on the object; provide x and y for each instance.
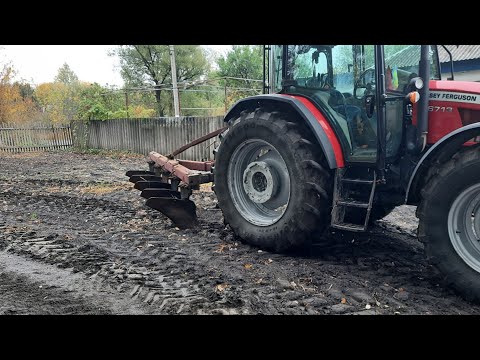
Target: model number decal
(440, 108)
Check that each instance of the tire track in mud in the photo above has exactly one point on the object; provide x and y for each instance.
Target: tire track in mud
(172, 272)
(113, 240)
(138, 265)
(28, 287)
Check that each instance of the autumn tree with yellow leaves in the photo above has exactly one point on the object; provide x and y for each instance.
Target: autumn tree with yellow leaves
(59, 99)
(15, 106)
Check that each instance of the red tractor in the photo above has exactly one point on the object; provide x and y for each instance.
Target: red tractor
(341, 136)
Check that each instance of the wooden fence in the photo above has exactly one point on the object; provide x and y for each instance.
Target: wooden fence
(15, 138)
(144, 135)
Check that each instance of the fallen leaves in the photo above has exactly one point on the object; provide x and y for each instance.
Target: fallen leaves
(248, 266)
(206, 187)
(269, 261)
(221, 287)
(221, 248)
(344, 301)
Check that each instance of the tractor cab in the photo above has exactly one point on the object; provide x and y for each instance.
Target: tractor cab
(341, 80)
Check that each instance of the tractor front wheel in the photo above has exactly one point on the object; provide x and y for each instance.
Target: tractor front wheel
(449, 222)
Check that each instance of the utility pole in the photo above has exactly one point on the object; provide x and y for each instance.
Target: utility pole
(225, 98)
(176, 104)
(126, 102)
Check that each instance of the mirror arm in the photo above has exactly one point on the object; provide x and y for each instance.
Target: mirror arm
(385, 98)
(451, 61)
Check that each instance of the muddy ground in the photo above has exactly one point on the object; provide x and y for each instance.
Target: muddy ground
(76, 238)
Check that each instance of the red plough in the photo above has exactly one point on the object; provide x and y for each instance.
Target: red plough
(168, 184)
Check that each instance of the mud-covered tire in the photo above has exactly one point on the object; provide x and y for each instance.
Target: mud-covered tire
(309, 204)
(438, 197)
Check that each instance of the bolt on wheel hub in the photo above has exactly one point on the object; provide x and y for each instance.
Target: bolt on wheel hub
(258, 182)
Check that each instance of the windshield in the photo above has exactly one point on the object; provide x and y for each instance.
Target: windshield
(321, 66)
(402, 64)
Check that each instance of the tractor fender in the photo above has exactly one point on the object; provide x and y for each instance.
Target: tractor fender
(442, 151)
(307, 111)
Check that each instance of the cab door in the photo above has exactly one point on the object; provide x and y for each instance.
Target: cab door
(341, 80)
(355, 77)
(401, 65)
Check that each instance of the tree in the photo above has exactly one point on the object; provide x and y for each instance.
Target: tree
(6, 92)
(60, 99)
(65, 75)
(149, 65)
(243, 61)
(15, 104)
(96, 102)
(52, 99)
(91, 102)
(26, 90)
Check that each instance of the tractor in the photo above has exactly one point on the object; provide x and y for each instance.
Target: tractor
(341, 135)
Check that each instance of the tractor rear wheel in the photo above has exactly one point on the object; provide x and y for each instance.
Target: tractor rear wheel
(272, 182)
(449, 222)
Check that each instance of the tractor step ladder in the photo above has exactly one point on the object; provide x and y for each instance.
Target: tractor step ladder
(343, 198)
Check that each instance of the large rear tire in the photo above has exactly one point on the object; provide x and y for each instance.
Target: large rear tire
(449, 222)
(272, 182)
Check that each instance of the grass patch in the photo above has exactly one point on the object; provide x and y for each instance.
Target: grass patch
(103, 188)
(106, 153)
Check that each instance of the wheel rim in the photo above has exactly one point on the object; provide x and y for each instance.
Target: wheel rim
(259, 182)
(464, 226)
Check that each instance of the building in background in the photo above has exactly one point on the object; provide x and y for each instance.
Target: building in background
(466, 62)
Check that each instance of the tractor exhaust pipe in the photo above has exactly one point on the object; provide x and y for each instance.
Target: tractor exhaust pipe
(422, 106)
(417, 135)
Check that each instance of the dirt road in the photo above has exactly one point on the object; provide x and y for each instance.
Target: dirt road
(76, 238)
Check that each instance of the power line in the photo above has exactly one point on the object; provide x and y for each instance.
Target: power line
(184, 84)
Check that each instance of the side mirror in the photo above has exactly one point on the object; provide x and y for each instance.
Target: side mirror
(417, 82)
(414, 84)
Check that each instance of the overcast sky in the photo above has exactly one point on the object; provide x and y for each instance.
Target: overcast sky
(40, 63)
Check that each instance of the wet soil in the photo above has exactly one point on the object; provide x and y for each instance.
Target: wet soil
(76, 238)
